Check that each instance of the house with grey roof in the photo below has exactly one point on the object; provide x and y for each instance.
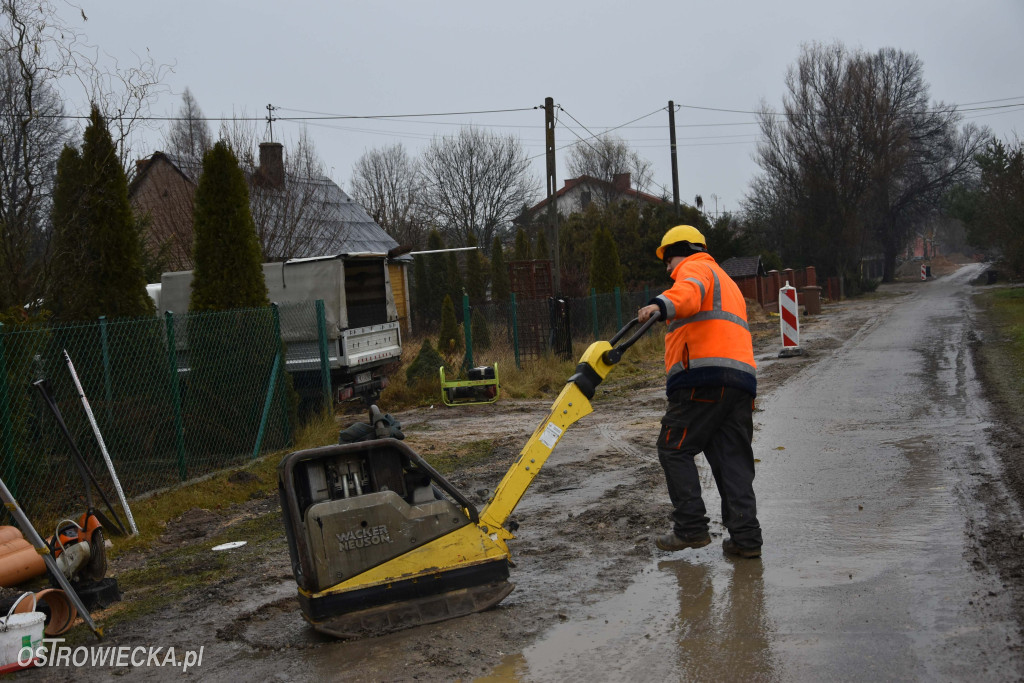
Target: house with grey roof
(295, 217)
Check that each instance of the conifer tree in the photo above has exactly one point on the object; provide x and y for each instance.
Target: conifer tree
(500, 285)
(476, 278)
(68, 261)
(522, 249)
(425, 365)
(605, 269)
(437, 275)
(540, 250)
(422, 312)
(449, 341)
(455, 288)
(96, 234)
(228, 272)
(481, 331)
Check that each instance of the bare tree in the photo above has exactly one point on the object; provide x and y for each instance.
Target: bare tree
(856, 159)
(189, 136)
(914, 149)
(39, 50)
(605, 157)
(475, 183)
(386, 182)
(32, 134)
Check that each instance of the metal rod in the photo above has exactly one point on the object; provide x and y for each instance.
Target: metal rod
(103, 446)
(179, 423)
(76, 455)
(266, 406)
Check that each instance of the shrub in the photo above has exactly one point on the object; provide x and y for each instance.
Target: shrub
(449, 341)
(481, 332)
(425, 365)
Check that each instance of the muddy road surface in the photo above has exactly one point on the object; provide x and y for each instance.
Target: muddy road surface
(892, 546)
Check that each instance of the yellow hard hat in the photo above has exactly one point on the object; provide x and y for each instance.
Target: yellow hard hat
(681, 233)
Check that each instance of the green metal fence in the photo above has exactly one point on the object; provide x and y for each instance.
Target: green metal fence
(533, 328)
(186, 395)
(174, 399)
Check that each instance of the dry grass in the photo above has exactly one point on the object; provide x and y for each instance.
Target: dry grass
(537, 378)
(221, 490)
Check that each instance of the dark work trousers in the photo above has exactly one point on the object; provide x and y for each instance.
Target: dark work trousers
(719, 422)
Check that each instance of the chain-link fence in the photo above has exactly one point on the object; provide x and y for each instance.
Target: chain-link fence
(182, 396)
(173, 399)
(535, 327)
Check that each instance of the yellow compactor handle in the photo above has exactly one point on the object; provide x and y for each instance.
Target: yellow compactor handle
(572, 404)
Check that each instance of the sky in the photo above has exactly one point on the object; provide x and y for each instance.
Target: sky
(607, 65)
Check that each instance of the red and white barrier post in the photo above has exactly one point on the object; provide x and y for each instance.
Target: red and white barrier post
(924, 272)
(789, 322)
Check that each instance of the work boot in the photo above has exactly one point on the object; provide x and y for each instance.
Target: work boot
(730, 547)
(671, 542)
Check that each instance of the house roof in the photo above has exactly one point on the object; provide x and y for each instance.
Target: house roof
(344, 225)
(743, 266)
(571, 183)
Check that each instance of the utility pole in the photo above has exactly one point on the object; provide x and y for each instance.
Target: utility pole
(549, 149)
(675, 165)
(270, 120)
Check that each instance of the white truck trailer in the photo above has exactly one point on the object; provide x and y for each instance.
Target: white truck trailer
(362, 325)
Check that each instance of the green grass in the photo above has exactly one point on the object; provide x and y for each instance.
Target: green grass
(1006, 308)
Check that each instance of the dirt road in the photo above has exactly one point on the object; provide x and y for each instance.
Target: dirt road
(892, 547)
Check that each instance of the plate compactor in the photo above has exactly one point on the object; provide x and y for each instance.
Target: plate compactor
(380, 541)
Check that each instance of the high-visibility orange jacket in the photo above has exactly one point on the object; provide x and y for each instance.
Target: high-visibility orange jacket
(708, 341)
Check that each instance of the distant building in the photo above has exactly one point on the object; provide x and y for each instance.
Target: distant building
(296, 217)
(743, 267)
(579, 193)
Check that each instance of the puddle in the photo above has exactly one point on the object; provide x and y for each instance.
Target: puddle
(681, 619)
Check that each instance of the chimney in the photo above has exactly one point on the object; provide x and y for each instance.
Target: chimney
(272, 163)
(620, 181)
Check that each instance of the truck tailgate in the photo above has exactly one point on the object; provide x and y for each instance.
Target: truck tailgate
(363, 345)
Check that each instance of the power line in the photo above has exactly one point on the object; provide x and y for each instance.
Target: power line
(324, 116)
(593, 135)
(941, 110)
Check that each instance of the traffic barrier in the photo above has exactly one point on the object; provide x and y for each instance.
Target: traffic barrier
(789, 322)
(924, 272)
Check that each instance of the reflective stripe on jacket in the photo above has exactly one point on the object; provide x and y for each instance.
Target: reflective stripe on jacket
(708, 339)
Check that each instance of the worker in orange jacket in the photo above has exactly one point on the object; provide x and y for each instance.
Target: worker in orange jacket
(711, 385)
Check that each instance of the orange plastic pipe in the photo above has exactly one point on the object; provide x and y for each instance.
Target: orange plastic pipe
(62, 612)
(19, 565)
(13, 546)
(9, 533)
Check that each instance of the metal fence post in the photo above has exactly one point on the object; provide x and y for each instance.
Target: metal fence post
(280, 346)
(618, 308)
(325, 360)
(467, 330)
(593, 311)
(266, 406)
(515, 331)
(179, 426)
(105, 345)
(7, 420)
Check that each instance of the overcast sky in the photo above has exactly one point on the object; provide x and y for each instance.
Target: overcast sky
(605, 63)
